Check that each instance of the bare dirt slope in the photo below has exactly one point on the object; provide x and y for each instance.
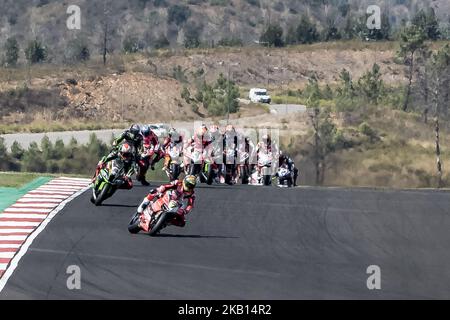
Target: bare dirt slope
(145, 87)
(292, 66)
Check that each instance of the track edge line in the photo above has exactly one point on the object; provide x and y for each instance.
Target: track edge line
(25, 246)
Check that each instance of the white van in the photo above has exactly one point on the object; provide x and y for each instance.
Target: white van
(259, 95)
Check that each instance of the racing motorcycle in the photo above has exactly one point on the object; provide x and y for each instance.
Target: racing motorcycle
(107, 182)
(285, 178)
(265, 167)
(175, 163)
(196, 160)
(244, 167)
(156, 216)
(230, 165)
(144, 160)
(212, 166)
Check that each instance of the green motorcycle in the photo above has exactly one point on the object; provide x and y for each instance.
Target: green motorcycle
(108, 180)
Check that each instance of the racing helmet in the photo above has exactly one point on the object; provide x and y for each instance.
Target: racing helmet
(145, 130)
(135, 129)
(125, 152)
(229, 128)
(189, 183)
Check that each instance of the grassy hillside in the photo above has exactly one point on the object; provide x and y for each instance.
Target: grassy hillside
(149, 21)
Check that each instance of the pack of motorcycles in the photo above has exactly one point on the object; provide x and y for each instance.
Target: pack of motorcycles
(209, 169)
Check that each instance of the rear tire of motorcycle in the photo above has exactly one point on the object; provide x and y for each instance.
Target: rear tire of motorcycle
(103, 195)
(159, 224)
(267, 180)
(133, 226)
(245, 175)
(195, 169)
(175, 168)
(210, 175)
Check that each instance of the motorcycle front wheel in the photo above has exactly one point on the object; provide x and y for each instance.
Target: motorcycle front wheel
(133, 226)
(102, 195)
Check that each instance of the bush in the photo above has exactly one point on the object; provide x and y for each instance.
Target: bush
(220, 97)
(11, 52)
(192, 36)
(367, 130)
(178, 14)
(273, 36)
(131, 45)
(179, 74)
(35, 52)
(77, 50)
(186, 95)
(230, 42)
(161, 42)
(306, 31)
(371, 86)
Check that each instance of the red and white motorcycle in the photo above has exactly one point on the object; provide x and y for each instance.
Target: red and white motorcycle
(157, 215)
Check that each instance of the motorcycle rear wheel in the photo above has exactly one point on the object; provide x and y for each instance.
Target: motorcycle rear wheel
(267, 180)
(160, 224)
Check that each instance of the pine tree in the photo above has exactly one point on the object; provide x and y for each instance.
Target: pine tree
(11, 52)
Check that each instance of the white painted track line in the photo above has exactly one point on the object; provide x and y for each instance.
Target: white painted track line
(18, 224)
(9, 238)
(46, 196)
(38, 200)
(34, 205)
(16, 230)
(31, 210)
(7, 255)
(9, 245)
(23, 215)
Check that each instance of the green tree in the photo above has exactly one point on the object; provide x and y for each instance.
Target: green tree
(345, 88)
(220, 98)
(380, 34)
(6, 162)
(192, 36)
(77, 50)
(439, 66)
(185, 94)
(428, 22)
(178, 14)
(273, 36)
(32, 159)
(46, 148)
(327, 93)
(35, 52)
(161, 42)
(326, 139)
(131, 45)
(17, 151)
(412, 40)
(11, 52)
(59, 150)
(331, 32)
(312, 92)
(306, 31)
(371, 86)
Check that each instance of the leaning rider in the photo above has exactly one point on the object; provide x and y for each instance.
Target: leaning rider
(184, 192)
(122, 158)
(133, 136)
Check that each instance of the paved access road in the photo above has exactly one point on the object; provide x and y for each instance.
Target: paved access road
(248, 242)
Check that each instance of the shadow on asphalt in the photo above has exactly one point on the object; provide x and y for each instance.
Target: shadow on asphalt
(167, 235)
(119, 205)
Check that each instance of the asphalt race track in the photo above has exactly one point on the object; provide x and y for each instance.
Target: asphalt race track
(247, 242)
